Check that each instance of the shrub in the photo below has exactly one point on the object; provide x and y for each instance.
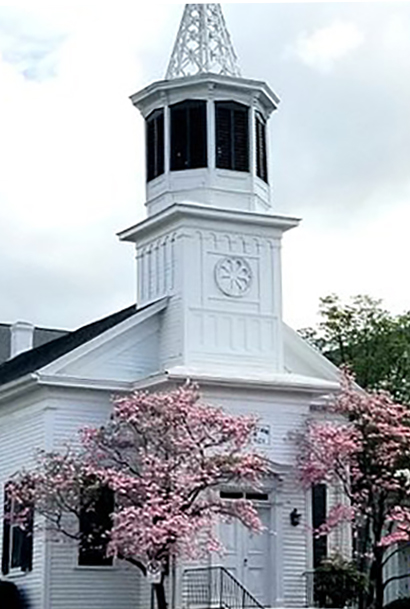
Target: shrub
(338, 582)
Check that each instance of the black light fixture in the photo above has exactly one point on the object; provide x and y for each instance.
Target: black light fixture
(295, 517)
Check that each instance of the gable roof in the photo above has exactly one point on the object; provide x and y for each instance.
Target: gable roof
(32, 360)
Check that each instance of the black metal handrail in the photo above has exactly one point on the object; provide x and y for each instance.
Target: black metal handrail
(215, 588)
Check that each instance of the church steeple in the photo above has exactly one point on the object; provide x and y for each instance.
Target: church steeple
(202, 44)
(211, 242)
(206, 126)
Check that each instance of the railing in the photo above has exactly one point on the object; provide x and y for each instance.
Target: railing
(215, 588)
(310, 589)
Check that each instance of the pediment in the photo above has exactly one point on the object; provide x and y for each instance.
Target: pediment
(123, 354)
(302, 359)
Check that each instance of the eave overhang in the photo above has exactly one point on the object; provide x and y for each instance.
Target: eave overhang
(195, 210)
(205, 84)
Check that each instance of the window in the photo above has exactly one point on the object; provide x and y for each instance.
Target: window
(155, 144)
(17, 539)
(232, 136)
(95, 522)
(241, 495)
(261, 160)
(188, 135)
(319, 493)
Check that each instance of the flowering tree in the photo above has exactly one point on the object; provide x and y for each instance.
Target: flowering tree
(163, 456)
(366, 453)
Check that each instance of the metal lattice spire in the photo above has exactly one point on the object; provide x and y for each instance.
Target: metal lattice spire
(203, 44)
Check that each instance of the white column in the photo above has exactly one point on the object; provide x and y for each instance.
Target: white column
(167, 138)
(210, 118)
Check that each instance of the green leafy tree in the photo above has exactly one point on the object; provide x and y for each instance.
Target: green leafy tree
(363, 335)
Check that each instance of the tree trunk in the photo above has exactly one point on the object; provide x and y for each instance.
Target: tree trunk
(376, 588)
(378, 580)
(160, 595)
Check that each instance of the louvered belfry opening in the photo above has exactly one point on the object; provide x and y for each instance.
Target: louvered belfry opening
(155, 144)
(261, 160)
(188, 135)
(232, 135)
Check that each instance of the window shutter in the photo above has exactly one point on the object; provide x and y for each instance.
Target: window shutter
(6, 534)
(155, 144)
(319, 509)
(223, 137)
(179, 138)
(160, 140)
(241, 143)
(188, 135)
(197, 135)
(261, 159)
(150, 150)
(232, 136)
(26, 558)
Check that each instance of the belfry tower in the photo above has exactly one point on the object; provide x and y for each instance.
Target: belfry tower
(211, 242)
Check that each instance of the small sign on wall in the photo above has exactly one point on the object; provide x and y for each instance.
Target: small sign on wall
(261, 435)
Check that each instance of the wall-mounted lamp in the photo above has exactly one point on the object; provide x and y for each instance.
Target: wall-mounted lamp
(295, 517)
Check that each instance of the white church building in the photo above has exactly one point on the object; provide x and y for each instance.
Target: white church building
(209, 308)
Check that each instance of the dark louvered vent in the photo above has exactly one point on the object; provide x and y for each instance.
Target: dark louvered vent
(261, 160)
(188, 135)
(232, 136)
(155, 144)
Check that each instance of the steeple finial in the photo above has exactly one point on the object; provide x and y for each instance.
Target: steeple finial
(202, 44)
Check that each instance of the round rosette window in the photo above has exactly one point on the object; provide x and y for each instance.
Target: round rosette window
(233, 276)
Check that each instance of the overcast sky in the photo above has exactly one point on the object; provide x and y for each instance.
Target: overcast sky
(72, 162)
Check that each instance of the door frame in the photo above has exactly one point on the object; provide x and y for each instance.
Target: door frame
(274, 503)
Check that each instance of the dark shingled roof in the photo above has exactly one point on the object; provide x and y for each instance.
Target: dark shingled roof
(40, 337)
(40, 356)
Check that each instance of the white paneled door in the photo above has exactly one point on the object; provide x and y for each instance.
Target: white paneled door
(248, 556)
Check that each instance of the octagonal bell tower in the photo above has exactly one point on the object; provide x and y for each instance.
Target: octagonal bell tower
(205, 124)
(211, 241)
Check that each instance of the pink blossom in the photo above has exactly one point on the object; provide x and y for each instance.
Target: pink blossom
(165, 455)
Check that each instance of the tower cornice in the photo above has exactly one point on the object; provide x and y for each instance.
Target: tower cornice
(148, 96)
(277, 222)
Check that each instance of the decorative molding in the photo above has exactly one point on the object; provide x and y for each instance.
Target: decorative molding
(233, 276)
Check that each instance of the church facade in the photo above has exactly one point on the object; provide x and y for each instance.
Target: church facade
(209, 308)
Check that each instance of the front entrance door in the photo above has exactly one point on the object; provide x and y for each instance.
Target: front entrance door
(247, 555)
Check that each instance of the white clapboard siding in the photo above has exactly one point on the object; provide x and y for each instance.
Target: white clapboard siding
(74, 587)
(286, 416)
(128, 356)
(171, 335)
(22, 431)
(294, 544)
(71, 586)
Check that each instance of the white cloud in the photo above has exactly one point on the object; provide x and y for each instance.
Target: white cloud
(327, 45)
(71, 162)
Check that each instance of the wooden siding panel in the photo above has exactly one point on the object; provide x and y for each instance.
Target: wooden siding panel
(22, 432)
